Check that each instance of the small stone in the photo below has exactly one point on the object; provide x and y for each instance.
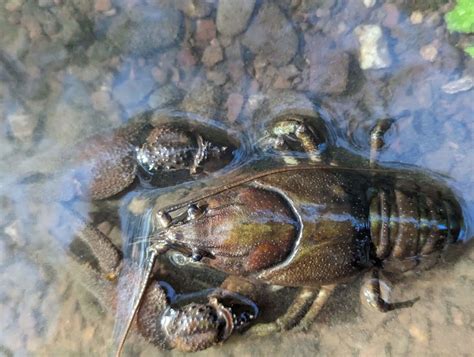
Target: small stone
(205, 30)
(271, 36)
(32, 26)
(369, 3)
(202, 98)
(164, 96)
(131, 92)
(418, 334)
(233, 16)
(219, 78)
(391, 15)
(14, 5)
(160, 75)
(323, 12)
(234, 104)
(101, 101)
(186, 57)
(102, 5)
(22, 125)
(213, 54)
(14, 232)
(429, 52)
(460, 85)
(373, 53)
(416, 17)
(145, 29)
(195, 8)
(285, 76)
(458, 316)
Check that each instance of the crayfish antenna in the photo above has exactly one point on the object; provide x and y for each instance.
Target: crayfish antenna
(153, 251)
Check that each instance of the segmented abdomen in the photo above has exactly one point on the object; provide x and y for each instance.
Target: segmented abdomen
(413, 223)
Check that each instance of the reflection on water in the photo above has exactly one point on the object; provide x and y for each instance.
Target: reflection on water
(71, 69)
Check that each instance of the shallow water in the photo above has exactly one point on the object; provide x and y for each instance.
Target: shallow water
(71, 69)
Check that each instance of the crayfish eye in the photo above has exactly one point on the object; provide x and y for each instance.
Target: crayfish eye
(194, 211)
(196, 257)
(164, 219)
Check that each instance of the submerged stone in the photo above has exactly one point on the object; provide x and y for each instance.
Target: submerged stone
(233, 16)
(271, 36)
(373, 53)
(145, 30)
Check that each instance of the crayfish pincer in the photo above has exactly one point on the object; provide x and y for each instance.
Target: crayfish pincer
(314, 225)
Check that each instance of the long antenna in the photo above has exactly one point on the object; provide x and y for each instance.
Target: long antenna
(153, 251)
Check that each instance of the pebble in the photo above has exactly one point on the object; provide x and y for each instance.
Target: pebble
(166, 95)
(145, 30)
(202, 98)
(416, 17)
(131, 91)
(14, 232)
(195, 8)
(14, 5)
(369, 3)
(186, 57)
(217, 77)
(101, 100)
(213, 54)
(458, 316)
(392, 15)
(233, 16)
(161, 75)
(234, 104)
(271, 36)
(460, 85)
(418, 334)
(22, 125)
(429, 52)
(328, 72)
(102, 5)
(373, 53)
(205, 31)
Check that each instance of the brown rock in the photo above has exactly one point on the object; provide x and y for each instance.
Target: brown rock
(205, 30)
(392, 15)
(102, 5)
(186, 58)
(328, 70)
(234, 104)
(212, 54)
(101, 100)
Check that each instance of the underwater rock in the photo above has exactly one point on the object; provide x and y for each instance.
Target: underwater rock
(328, 69)
(132, 91)
(166, 95)
(205, 31)
(213, 54)
(373, 47)
(271, 36)
(233, 16)
(202, 99)
(429, 52)
(234, 104)
(22, 125)
(145, 29)
(461, 85)
(193, 8)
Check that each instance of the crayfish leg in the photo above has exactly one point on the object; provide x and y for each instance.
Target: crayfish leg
(371, 295)
(300, 315)
(377, 141)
